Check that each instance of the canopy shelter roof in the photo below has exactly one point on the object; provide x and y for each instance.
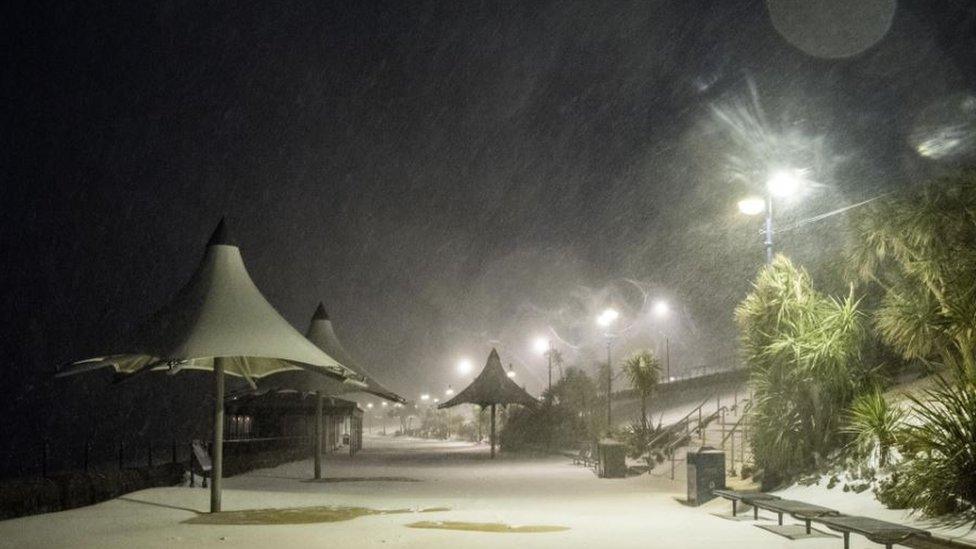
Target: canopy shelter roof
(289, 402)
(218, 313)
(321, 333)
(492, 386)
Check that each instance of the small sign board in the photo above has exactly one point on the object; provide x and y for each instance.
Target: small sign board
(203, 458)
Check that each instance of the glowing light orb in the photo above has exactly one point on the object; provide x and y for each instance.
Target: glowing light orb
(465, 366)
(832, 28)
(661, 308)
(946, 130)
(784, 183)
(425, 397)
(541, 345)
(607, 317)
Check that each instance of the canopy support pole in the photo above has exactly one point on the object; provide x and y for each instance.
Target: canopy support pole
(217, 470)
(318, 435)
(492, 431)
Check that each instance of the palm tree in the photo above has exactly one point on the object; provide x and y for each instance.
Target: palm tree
(642, 370)
(917, 246)
(876, 425)
(804, 353)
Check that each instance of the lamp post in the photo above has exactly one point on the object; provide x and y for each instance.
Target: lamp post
(661, 311)
(780, 184)
(606, 319)
(543, 345)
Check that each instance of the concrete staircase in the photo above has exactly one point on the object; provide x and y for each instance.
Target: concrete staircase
(720, 425)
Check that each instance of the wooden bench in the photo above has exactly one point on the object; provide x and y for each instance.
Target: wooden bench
(878, 531)
(736, 496)
(585, 457)
(204, 465)
(797, 509)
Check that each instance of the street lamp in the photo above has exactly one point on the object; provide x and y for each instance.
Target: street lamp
(511, 371)
(449, 391)
(464, 366)
(781, 184)
(543, 345)
(661, 311)
(425, 397)
(605, 320)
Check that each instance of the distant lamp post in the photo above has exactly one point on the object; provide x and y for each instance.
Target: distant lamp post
(661, 311)
(425, 397)
(511, 371)
(606, 320)
(543, 346)
(465, 366)
(781, 184)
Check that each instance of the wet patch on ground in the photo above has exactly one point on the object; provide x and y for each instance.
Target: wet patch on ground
(363, 479)
(298, 515)
(493, 527)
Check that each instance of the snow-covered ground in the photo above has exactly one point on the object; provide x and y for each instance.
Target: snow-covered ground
(634, 512)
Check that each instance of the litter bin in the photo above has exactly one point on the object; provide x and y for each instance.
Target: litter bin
(706, 472)
(613, 463)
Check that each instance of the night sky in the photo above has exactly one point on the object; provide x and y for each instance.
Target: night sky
(443, 174)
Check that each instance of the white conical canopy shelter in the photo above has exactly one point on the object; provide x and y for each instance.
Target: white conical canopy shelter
(220, 322)
(322, 334)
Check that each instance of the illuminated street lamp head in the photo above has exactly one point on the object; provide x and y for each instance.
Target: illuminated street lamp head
(384, 404)
(436, 400)
(784, 183)
(449, 391)
(541, 345)
(752, 205)
(425, 397)
(511, 371)
(465, 366)
(607, 317)
(370, 405)
(661, 308)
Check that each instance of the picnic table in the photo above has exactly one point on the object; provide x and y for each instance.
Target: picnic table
(878, 531)
(797, 509)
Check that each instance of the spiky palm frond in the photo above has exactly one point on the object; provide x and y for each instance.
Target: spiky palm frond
(875, 424)
(642, 370)
(804, 353)
(940, 476)
(920, 246)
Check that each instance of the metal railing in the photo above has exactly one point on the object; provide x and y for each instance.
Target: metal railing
(698, 429)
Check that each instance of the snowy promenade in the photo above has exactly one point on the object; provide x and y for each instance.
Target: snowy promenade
(633, 512)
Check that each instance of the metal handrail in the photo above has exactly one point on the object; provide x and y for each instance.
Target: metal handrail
(704, 421)
(735, 427)
(676, 425)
